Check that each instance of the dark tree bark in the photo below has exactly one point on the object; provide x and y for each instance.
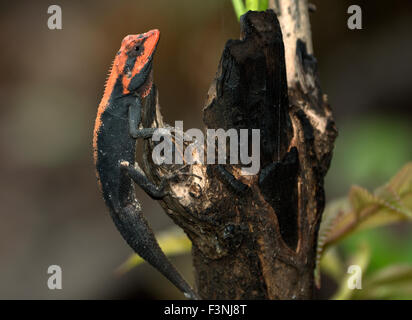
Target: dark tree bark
(254, 236)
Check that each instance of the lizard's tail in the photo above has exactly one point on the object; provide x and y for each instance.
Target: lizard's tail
(137, 233)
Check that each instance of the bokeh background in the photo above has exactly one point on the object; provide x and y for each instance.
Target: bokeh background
(51, 83)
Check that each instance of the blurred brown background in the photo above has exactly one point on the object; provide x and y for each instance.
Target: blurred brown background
(51, 83)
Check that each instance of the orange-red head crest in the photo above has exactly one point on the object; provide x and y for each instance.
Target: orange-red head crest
(135, 54)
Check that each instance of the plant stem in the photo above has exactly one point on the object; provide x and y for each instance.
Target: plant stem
(252, 5)
(239, 7)
(263, 5)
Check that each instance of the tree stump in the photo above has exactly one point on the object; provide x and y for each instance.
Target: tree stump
(254, 236)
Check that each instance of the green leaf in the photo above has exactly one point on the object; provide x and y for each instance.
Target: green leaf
(239, 7)
(362, 210)
(263, 5)
(332, 265)
(389, 245)
(331, 214)
(392, 282)
(172, 241)
(252, 5)
(361, 259)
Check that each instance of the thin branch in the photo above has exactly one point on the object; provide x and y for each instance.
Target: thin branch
(239, 7)
(294, 21)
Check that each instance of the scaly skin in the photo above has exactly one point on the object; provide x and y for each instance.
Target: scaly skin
(114, 144)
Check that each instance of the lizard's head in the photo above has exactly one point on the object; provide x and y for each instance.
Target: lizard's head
(134, 59)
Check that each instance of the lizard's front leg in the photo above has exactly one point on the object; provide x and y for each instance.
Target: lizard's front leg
(134, 121)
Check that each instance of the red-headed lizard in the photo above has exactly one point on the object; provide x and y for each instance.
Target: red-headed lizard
(114, 143)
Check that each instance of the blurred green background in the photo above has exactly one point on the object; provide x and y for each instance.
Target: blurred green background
(51, 84)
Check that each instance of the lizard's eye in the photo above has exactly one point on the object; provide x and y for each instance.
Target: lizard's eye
(137, 48)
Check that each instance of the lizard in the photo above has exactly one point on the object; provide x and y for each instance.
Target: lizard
(117, 128)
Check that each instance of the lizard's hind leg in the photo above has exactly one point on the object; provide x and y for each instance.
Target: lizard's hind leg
(140, 178)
